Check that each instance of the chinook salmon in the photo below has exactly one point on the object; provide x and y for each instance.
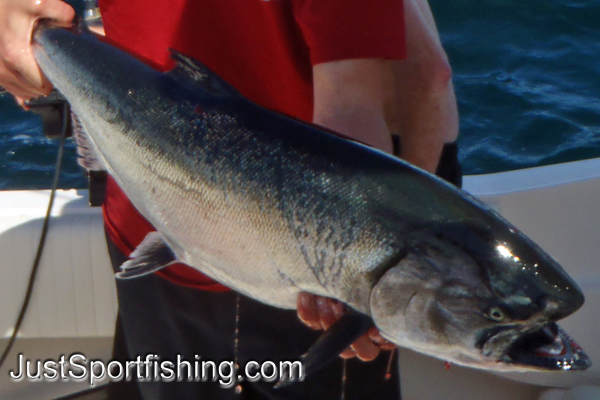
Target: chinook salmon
(271, 206)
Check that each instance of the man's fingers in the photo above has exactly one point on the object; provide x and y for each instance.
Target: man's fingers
(376, 338)
(57, 10)
(307, 310)
(327, 316)
(348, 353)
(28, 79)
(320, 313)
(21, 86)
(18, 91)
(31, 77)
(21, 102)
(365, 349)
(338, 308)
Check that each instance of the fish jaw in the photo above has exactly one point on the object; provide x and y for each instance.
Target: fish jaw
(549, 348)
(436, 301)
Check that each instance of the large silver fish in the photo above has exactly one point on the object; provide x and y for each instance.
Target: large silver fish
(271, 206)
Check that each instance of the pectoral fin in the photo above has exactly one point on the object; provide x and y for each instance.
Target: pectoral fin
(150, 256)
(336, 339)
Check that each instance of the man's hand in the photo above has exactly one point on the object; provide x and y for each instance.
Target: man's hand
(320, 313)
(19, 73)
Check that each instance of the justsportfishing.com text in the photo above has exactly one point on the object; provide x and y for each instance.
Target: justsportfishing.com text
(150, 368)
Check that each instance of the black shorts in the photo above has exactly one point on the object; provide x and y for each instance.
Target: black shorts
(160, 318)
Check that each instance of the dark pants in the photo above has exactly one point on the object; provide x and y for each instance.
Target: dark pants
(162, 318)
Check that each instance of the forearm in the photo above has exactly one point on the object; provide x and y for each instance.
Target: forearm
(359, 123)
(350, 97)
(424, 109)
(425, 122)
(423, 151)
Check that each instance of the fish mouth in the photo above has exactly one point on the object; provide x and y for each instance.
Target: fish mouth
(549, 348)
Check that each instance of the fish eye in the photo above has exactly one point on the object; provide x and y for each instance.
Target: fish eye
(495, 314)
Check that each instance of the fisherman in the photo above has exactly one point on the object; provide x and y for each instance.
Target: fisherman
(293, 57)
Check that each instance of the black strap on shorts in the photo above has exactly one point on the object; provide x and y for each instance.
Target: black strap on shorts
(448, 168)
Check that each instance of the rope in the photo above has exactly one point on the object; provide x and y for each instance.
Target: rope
(38, 256)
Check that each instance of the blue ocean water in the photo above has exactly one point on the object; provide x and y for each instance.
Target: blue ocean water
(527, 78)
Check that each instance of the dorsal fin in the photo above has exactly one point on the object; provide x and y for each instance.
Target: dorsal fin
(188, 69)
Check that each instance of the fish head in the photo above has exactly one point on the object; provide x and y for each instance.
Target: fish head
(479, 299)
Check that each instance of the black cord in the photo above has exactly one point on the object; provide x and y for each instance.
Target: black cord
(38, 256)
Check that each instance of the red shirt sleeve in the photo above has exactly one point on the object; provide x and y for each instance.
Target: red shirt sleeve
(342, 29)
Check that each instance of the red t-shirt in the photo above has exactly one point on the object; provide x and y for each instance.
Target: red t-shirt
(264, 48)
